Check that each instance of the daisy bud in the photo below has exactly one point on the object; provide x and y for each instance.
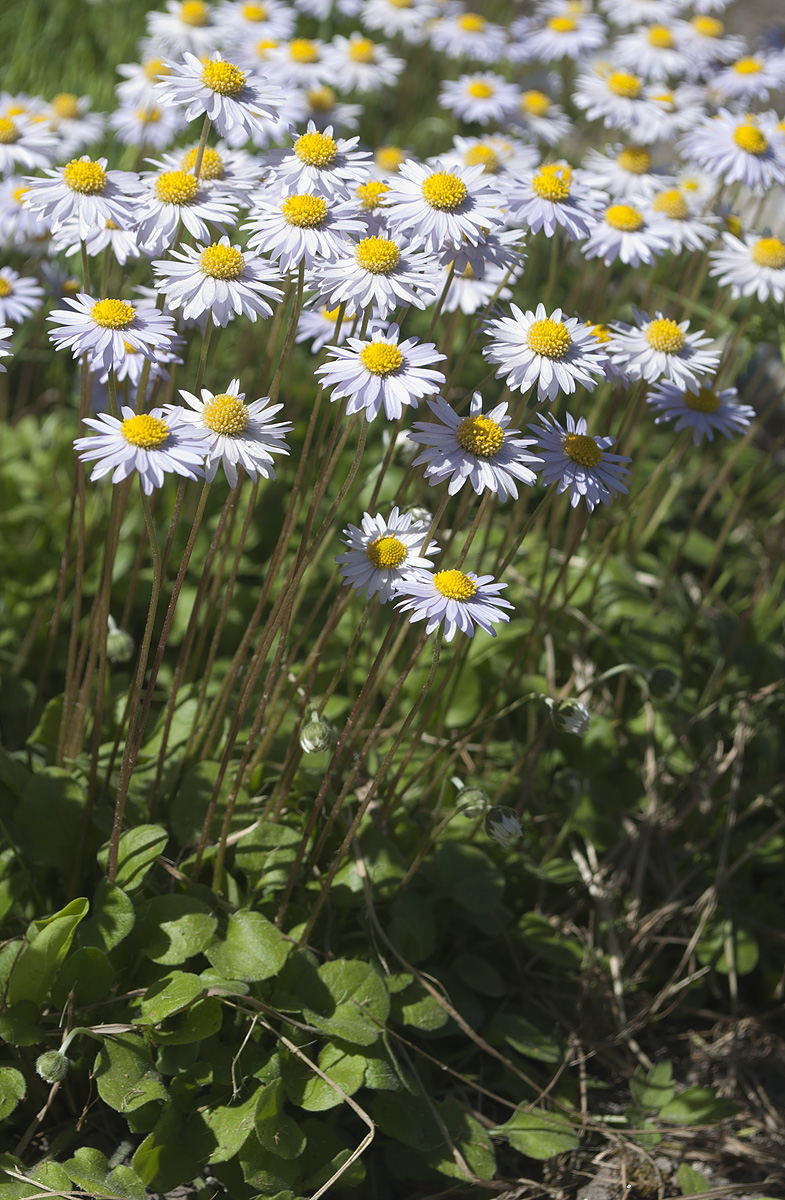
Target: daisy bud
(316, 734)
(52, 1066)
(120, 645)
(473, 801)
(570, 716)
(503, 826)
(664, 684)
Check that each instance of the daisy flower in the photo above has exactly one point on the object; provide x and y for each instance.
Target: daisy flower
(702, 411)
(554, 352)
(482, 97)
(231, 98)
(321, 106)
(131, 365)
(139, 79)
(478, 449)
(25, 143)
(469, 35)
(627, 172)
(318, 325)
(218, 279)
(498, 155)
(83, 189)
(659, 348)
(628, 233)
(549, 198)
(572, 34)
(382, 553)
(19, 225)
(468, 293)
(19, 296)
(379, 272)
(301, 228)
(103, 328)
(456, 599)
(232, 174)
(541, 117)
(236, 434)
(684, 229)
(631, 12)
(750, 79)
(382, 373)
(146, 125)
(153, 444)
(704, 43)
(399, 18)
(165, 199)
(300, 63)
(651, 50)
(617, 98)
(442, 208)
(577, 462)
(361, 65)
(187, 25)
(747, 149)
(70, 118)
(242, 22)
(318, 162)
(122, 242)
(751, 265)
(5, 348)
(499, 249)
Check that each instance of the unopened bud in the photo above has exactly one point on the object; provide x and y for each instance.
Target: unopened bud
(418, 513)
(52, 1066)
(472, 801)
(570, 716)
(502, 825)
(119, 644)
(664, 684)
(316, 734)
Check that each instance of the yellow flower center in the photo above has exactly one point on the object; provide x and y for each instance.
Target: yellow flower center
(552, 182)
(635, 159)
(385, 551)
(195, 13)
(454, 585)
(705, 401)
(672, 204)
(371, 193)
(225, 414)
(8, 131)
(222, 262)
(111, 225)
(306, 211)
(660, 36)
(65, 106)
(750, 139)
(316, 149)
(113, 314)
(582, 449)
(154, 67)
(621, 83)
(264, 45)
(748, 66)
(144, 431)
(321, 99)
(481, 436)
(480, 90)
(664, 335)
(623, 217)
(472, 23)
(86, 177)
(331, 314)
(380, 358)
(549, 338)
(535, 103)
(19, 192)
(176, 187)
(708, 27)
(401, 3)
(733, 225)
(5, 287)
(212, 163)
(149, 116)
(129, 349)
(666, 99)
(303, 50)
(601, 332)
(223, 77)
(254, 12)
(378, 255)
(444, 191)
(562, 24)
(769, 252)
(362, 50)
(389, 158)
(485, 155)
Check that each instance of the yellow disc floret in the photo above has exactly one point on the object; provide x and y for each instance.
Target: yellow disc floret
(660, 37)
(195, 13)
(622, 83)
(212, 164)
(154, 67)
(66, 106)
(454, 585)
(484, 155)
(708, 27)
(535, 103)
(316, 149)
(472, 22)
(601, 332)
(370, 193)
(9, 131)
(401, 3)
(664, 335)
(223, 77)
(549, 338)
(635, 159)
(552, 182)
(582, 449)
(769, 252)
(389, 158)
(113, 314)
(750, 139)
(84, 176)
(562, 24)
(378, 255)
(222, 262)
(19, 192)
(704, 401)
(623, 217)
(672, 203)
(144, 431)
(480, 90)
(380, 358)
(481, 436)
(305, 210)
(320, 99)
(443, 190)
(225, 414)
(748, 66)
(264, 46)
(176, 187)
(362, 50)
(303, 50)
(5, 287)
(384, 552)
(254, 12)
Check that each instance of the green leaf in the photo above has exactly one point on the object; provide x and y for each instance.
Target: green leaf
(698, 1106)
(47, 944)
(52, 1175)
(307, 1090)
(252, 949)
(422, 1010)
(713, 947)
(469, 1137)
(411, 926)
(175, 928)
(137, 851)
(267, 853)
(530, 1038)
(125, 1075)
(478, 975)
(654, 1088)
(47, 730)
(88, 973)
(546, 941)
(194, 1024)
(111, 919)
(20, 1026)
(538, 1134)
(89, 1170)
(276, 1131)
(360, 1003)
(230, 1125)
(265, 1171)
(168, 995)
(13, 1090)
(49, 817)
(174, 1150)
(691, 1181)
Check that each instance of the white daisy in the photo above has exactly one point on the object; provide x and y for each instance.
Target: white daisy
(577, 462)
(625, 172)
(19, 296)
(659, 348)
(457, 599)
(749, 79)
(503, 249)
(318, 326)
(321, 106)
(219, 279)
(468, 293)
(554, 352)
(702, 411)
(478, 449)
(70, 118)
(301, 228)
(19, 225)
(482, 97)
(541, 117)
(300, 63)
(131, 366)
(83, 189)
(382, 553)
(187, 25)
(230, 173)
(382, 373)
(442, 208)
(496, 153)
(230, 97)
(405, 18)
(146, 125)
(6, 349)
(549, 198)
(652, 50)
(469, 35)
(684, 229)
(631, 12)
(237, 434)
(573, 34)
(168, 199)
(388, 160)
(154, 444)
(747, 149)
(243, 21)
(379, 272)
(704, 43)
(122, 242)
(628, 233)
(361, 65)
(139, 80)
(25, 143)
(617, 98)
(318, 162)
(102, 329)
(751, 265)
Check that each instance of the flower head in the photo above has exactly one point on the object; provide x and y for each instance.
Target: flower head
(383, 552)
(219, 279)
(578, 462)
(382, 373)
(702, 411)
(460, 600)
(232, 98)
(236, 434)
(660, 348)
(442, 207)
(555, 352)
(103, 329)
(153, 444)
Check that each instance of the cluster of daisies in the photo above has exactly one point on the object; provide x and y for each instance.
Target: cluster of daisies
(279, 194)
